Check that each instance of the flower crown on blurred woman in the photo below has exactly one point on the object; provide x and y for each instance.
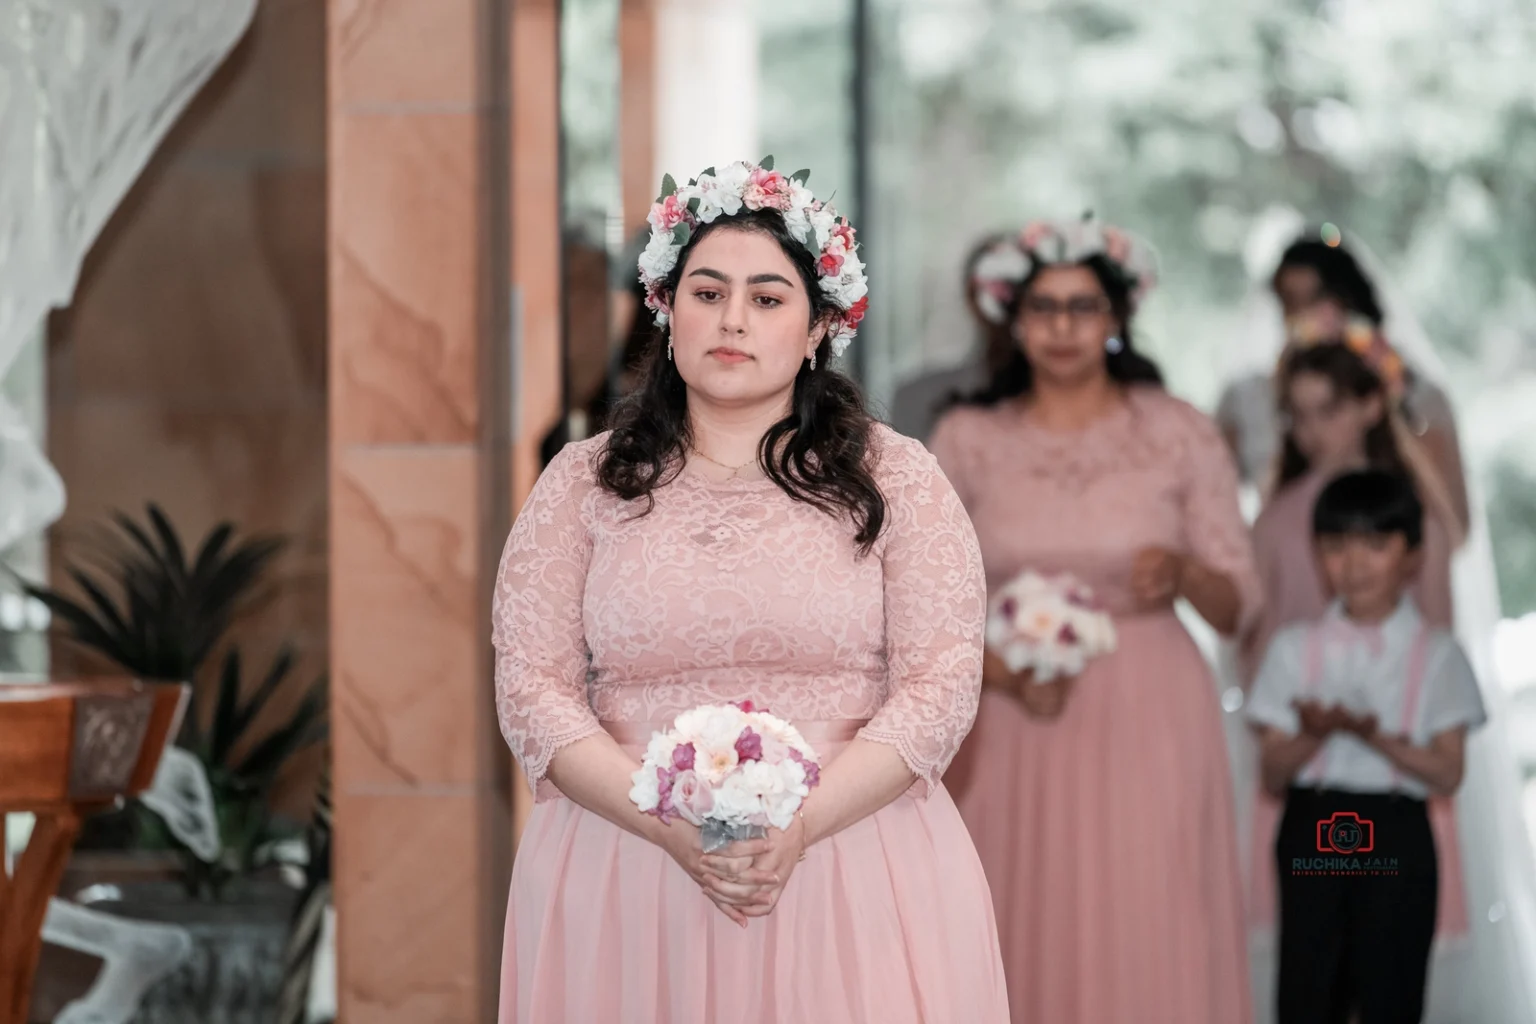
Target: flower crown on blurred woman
(1361, 336)
(679, 211)
(998, 272)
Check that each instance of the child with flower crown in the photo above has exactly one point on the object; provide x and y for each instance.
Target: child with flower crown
(745, 532)
(1100, 803)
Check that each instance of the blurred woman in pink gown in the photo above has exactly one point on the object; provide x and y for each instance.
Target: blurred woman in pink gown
(746, 531)
(1101, 805)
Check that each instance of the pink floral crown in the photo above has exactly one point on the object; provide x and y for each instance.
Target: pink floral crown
(1003, 266)
(1362, 337)
(678, 212)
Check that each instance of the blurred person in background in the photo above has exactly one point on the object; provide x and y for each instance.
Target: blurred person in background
(1362, 715)
(920, 401)
(606, 330)
(1323, 291)
(1101, 803)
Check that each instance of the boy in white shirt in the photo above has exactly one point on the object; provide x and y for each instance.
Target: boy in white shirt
(1361, 716)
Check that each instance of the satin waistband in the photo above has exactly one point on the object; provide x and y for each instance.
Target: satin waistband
(816, 733)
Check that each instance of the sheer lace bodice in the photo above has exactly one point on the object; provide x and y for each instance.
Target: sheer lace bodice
(1153, 473)
(732, 591)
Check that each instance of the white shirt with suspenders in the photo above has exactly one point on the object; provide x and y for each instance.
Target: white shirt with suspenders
(1412, 677)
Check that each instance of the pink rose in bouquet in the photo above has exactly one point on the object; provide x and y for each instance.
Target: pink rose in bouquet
(692, 799)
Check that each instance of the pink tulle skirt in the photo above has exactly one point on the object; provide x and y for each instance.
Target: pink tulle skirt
(1108, 839)
(888, 921)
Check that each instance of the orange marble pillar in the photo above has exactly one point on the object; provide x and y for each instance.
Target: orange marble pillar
(428, 363)
(637, 111)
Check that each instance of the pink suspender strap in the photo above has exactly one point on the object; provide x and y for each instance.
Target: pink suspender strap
(1312, 679)
(1418, 659)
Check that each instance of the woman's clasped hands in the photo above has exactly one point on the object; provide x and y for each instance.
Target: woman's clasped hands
(746, 878)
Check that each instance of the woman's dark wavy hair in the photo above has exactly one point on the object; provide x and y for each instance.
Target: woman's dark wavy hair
(819, 454)
(1013, 376)
(1341, 275)
(1350, 376)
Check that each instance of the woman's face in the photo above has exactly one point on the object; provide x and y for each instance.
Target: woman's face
(1307, 307)
(1063, 322)
(1329, 427)
(741, 319)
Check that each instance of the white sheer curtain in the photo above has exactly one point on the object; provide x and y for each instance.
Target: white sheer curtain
(88, 89)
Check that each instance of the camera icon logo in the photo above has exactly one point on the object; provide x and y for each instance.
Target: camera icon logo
(1346, 832)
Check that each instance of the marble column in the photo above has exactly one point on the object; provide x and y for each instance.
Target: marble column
(706, 63)
(434, 336)
(638, 180)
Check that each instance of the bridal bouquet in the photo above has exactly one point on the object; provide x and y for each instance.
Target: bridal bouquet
(730, 769)
(1050, 624)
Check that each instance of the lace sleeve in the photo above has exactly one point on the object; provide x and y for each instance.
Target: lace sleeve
(1218, 536)
(935, 606)
(536, 619)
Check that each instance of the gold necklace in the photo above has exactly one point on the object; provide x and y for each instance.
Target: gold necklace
(734, 469)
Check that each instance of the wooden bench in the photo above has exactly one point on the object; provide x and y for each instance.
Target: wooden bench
(67, 750)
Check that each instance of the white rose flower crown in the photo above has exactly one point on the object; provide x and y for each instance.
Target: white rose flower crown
(680, 211)
(999, 271)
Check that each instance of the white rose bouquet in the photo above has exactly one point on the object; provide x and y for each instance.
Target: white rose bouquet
(1049, 624)
(730, 769)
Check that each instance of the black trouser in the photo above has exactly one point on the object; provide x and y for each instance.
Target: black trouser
(1357, 916)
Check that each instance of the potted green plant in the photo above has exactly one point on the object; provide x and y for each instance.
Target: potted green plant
(171, 610)
(242, 765)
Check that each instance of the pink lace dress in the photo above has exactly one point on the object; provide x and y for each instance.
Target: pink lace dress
(605, 620)
(1107, 834)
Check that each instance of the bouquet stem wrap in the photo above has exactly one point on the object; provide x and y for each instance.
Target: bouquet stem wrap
(719, 834)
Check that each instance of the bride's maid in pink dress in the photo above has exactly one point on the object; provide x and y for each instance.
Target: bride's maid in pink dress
(1101, 805)
(746, 531)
